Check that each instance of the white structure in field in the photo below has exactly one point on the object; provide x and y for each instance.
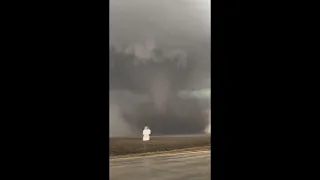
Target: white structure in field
(146, 134)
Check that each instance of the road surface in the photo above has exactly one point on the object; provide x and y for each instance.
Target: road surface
(181, 166)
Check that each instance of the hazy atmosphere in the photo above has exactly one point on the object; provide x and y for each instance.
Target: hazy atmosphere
(159, 66)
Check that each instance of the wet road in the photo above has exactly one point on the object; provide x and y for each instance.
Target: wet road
(181, 166)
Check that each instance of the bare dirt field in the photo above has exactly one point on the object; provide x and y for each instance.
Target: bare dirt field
(125, 146)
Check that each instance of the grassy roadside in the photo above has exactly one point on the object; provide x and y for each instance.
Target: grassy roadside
(135, 147)
(162, 152)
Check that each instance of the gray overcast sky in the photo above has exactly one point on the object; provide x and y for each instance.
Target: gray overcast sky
(178, 20)
(167, 23)
(180, 30)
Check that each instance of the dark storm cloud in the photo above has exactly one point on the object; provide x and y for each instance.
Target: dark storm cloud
(159, 48)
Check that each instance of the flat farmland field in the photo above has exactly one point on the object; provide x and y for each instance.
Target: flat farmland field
(126, 146)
